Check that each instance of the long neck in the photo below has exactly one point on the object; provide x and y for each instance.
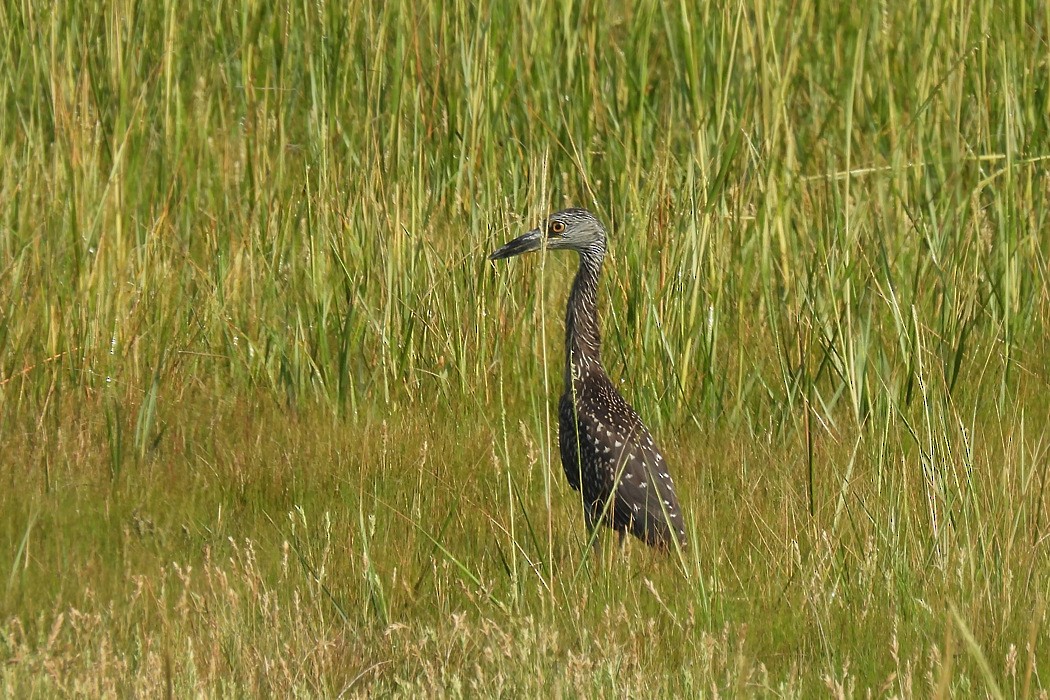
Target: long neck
(582, 337)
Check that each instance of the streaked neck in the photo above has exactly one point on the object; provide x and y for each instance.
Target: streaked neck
(582, 335)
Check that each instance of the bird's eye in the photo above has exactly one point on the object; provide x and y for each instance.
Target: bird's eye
(557, 227)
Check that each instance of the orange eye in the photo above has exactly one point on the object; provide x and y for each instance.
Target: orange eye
(557, 227)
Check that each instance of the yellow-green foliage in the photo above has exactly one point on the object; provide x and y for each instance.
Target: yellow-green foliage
(272, 425)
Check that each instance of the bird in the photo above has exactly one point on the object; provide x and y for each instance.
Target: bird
(607, 452)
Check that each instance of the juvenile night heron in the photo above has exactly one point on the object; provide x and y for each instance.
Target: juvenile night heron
(606, 451)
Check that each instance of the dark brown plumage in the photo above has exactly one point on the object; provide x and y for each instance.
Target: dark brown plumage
(606, 451)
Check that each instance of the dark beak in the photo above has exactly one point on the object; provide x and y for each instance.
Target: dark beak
(524, 243)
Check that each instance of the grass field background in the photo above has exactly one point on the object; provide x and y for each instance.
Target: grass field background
(272, 424)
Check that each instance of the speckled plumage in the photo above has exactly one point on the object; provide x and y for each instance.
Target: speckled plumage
(607, 452)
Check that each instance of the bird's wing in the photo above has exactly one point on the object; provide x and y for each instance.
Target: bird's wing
(635, 469)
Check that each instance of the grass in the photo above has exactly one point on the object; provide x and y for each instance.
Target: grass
(273, 425)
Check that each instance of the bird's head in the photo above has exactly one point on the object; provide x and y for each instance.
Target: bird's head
(568, 229)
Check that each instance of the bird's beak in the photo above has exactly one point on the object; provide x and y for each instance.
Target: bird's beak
(524, 243)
